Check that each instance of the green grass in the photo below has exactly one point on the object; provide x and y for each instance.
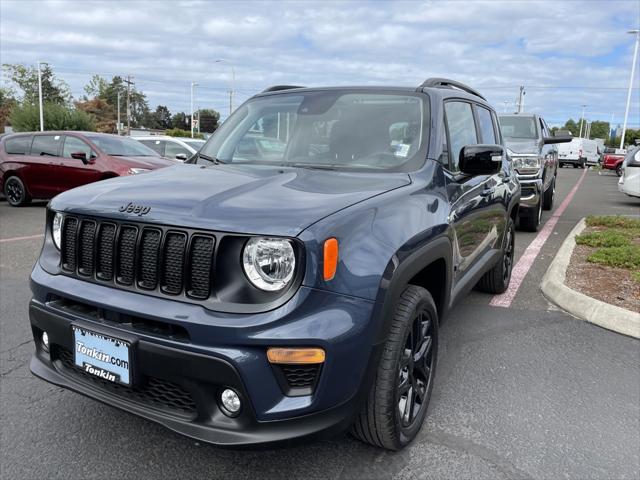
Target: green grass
(613, 221)
(622, 257)
(607, 238)
(636, 276)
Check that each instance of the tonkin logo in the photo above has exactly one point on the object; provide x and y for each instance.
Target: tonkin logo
(137, 209)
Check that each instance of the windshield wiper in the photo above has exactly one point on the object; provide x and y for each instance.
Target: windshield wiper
(213, 160)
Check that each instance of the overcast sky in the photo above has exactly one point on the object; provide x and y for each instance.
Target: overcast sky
(565, 53)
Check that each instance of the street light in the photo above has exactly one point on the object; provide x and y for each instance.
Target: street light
(233, 82)
(582, 119)
(40, 96)
(633, 71)
(193, 85)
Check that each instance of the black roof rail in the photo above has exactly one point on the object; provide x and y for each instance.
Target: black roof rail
(446, 83)
(277, 88)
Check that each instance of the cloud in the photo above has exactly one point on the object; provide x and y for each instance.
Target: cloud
(494, 46)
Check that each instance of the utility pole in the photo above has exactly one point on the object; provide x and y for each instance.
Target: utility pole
(521, 99)
(118, 124)
(40, 97)
(129, 83)
(233, 82)
(198, 110)
(193, 84)
(582, 119)
(633, 71)
(610, 128)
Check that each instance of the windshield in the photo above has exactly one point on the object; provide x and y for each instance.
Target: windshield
(518, 127)
(195, 144)
(325, 129)
(121, 146)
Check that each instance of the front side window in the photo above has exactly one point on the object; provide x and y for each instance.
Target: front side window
(326, 129)
(75, 145)
(121, 146)
(18, 145)
(462, 129)
(486, 126)
(518, 128)
(156, 145)
(46, 145)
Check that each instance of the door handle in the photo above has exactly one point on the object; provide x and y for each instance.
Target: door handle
(488, 191)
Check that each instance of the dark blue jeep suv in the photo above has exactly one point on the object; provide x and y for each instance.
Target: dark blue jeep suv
(290, 278)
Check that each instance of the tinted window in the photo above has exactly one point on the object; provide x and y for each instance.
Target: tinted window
(121, 146)
(172, 149)
(46, 145)
(155, 145)
(17, 145)
(486, 126)
(462, 129)
(75, 145)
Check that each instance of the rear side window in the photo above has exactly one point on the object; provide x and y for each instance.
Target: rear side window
(46, 145)
(462, 129)
(486, 126)
(17, 145)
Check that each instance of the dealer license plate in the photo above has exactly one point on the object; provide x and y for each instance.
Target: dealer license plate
(105, 357)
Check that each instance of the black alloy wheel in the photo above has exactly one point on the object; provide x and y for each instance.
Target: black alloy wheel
(15, 192)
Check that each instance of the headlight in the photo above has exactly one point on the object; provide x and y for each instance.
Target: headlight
(56, 229)
(135, 171)
(526, 163)
(269, 263)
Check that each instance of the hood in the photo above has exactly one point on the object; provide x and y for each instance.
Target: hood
(243, 199)
(145, 162)
(523, 145)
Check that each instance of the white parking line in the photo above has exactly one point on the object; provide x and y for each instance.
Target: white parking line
(531, 252)
(17, 239)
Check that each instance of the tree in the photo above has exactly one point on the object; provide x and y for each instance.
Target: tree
(96, 88)
(100, 88)
(103, 114)
(208, 120)
(599, 129)
(572, 126)
(180, 120)
(161, 118)
(26, 118)
(7, 102)
(54, 90)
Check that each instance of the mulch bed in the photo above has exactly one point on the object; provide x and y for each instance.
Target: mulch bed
(612, 285)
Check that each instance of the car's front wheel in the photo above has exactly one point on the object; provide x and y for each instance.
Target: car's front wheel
(15, 192)
(549, 195)
(397, 403)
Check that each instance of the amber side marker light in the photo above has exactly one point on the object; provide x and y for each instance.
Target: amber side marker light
(295, 356)
(330, 261)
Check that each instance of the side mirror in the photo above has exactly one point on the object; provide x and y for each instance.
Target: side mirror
(181, 156)
(481, 159)
(80, 156)
(561, 136)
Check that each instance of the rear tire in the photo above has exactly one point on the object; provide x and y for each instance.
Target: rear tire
(497, 279)
(15, 192)
(549, 195)
(531, 223)
(619, 170)
(404, 379)
(583, 163)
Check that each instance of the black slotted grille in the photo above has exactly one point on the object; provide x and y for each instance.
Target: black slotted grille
(106, 237)
(69, 233)
(300, 376)
(126, 254)
(200, 262)
(158, 259)
(149, 257)
(87, 235)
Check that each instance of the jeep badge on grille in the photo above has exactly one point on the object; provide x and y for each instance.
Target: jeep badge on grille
(137, 209)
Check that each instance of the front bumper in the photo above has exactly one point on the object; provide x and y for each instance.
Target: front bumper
(531, 193)
(178, 379)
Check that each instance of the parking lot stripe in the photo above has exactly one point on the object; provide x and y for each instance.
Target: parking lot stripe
(531, 252)
(16, 239)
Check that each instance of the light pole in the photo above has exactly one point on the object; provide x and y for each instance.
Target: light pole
(233, 82)
(633, 71)
(40, 96)
(193, 84)
(582, 119)
(118, 125)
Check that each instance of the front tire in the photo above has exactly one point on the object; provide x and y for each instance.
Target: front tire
(549, 195)
(498, 278)
(397, 403)
(15, 192)
(531, 223)
(619, 170)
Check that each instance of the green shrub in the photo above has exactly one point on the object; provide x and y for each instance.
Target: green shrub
(624, 257)
(607, 238)
(178, 132)
(26, 118)
(612, 221)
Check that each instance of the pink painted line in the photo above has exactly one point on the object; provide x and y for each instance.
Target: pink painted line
(16, 239)
(530, 254)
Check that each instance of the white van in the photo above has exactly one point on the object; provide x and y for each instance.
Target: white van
(579, 153)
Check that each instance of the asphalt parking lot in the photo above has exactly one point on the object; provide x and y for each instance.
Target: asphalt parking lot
(521, 392)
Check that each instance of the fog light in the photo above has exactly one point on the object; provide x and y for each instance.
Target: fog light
(45, 341)
(230, 401)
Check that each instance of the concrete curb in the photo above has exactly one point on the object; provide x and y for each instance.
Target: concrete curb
(580, 305)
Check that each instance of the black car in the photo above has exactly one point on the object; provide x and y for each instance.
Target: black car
(242, 298)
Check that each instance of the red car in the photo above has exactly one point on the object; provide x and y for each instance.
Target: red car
(43, 164)
(613, 161)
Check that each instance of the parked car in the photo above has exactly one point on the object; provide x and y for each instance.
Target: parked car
(613, 158)
(580, 152)
(177, 148)
(242, 301)
(535, 158)
(42, 165)
(629, 182)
